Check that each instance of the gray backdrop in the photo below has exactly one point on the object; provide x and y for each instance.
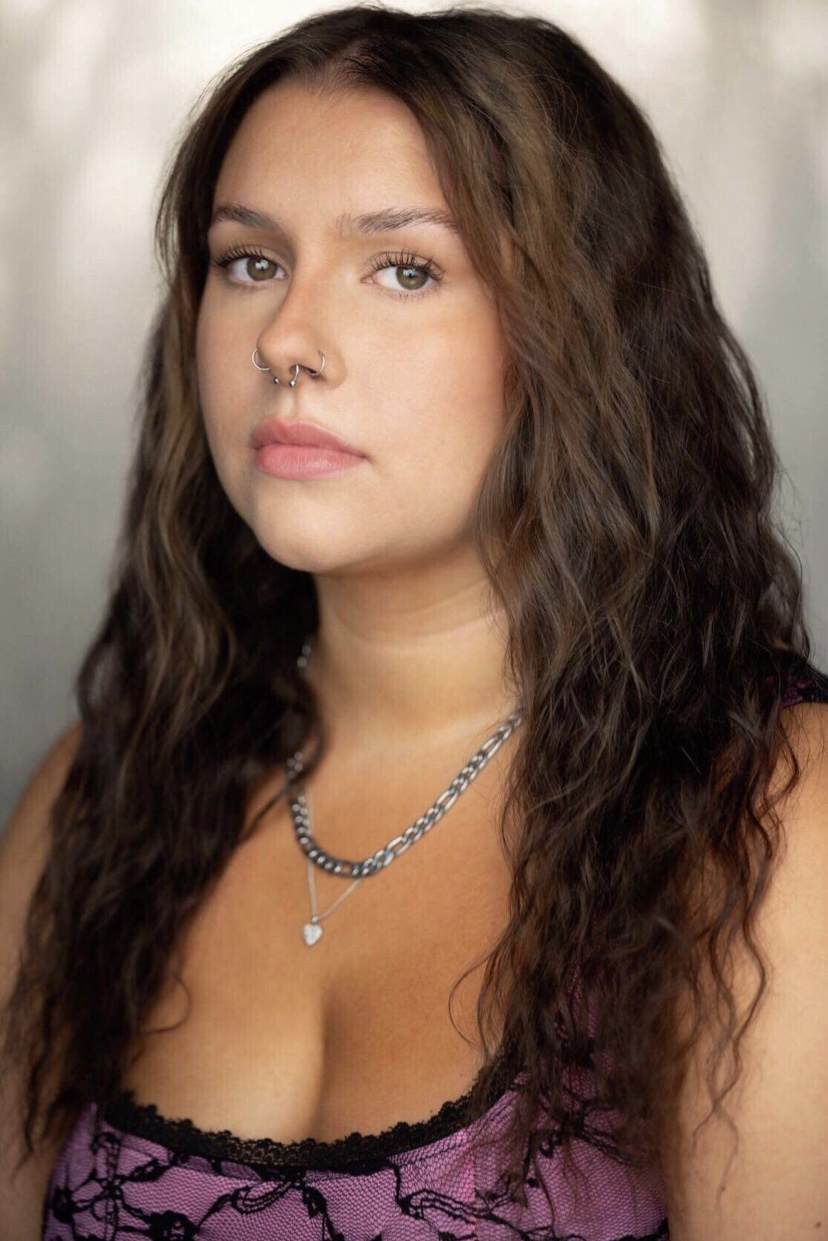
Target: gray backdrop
(92, 96)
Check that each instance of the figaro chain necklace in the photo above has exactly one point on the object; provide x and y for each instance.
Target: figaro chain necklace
(315, 855)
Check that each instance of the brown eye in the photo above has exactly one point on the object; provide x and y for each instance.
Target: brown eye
(408, 275)
(258, 268)
(413, 278)
(242, 267)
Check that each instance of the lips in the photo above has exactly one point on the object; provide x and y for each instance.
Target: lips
(301, 434)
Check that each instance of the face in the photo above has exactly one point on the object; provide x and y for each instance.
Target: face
(414, 357)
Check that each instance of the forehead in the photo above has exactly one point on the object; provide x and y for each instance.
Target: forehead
(299, 140)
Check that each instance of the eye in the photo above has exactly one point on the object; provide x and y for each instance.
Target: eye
(409, 274)
(247, 266)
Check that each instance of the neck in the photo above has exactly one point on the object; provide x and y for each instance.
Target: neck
(416, 666)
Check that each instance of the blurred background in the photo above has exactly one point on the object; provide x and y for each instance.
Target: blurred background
(93, 94)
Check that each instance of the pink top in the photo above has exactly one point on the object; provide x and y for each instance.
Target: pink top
(132, 1173)
(145, 1176)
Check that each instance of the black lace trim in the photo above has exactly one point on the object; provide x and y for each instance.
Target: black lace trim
(357, 1152)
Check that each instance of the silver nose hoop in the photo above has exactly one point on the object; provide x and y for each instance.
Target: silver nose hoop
(296, 368)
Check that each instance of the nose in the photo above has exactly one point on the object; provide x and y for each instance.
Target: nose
(291, 343)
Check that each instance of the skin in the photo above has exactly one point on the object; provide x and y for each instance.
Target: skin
(413, 381)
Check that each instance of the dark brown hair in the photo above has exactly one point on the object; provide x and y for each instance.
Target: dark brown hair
(626, 526)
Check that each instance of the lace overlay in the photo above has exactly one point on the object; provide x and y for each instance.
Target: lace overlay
(110, 1185)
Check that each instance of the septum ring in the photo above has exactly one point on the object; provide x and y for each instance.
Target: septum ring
(296, 368)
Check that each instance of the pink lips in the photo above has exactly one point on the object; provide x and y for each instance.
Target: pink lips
(301, 450)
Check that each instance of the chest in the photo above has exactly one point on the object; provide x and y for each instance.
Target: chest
(268, 1037)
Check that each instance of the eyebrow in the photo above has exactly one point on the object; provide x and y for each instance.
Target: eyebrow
(388, 220)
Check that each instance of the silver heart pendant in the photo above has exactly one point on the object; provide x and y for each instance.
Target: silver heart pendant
(311, 933)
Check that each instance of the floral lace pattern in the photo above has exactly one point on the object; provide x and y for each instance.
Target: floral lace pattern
(111, 1185)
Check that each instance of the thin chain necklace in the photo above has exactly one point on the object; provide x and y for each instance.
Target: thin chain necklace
(315, 855)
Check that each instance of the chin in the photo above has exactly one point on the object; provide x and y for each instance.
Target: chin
(307, 552)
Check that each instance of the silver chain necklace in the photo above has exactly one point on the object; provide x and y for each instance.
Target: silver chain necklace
(315, 855)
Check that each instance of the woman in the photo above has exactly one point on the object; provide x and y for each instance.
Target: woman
(526, 577)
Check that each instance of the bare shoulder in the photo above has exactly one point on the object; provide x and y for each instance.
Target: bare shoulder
(30, 816)
(765, 1175)
(23, 853)
(24, 842)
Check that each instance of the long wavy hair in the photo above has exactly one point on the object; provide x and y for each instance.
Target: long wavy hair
(626, 525)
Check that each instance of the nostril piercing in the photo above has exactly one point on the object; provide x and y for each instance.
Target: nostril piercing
(297, 367)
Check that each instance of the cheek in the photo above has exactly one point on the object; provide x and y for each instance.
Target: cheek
(445, 417)
(221, 380)
(473, 392)
(222, 366)
(208, 355)
(448, 382)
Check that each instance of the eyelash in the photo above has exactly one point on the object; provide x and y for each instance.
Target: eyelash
(402, 259)
(398, 259)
